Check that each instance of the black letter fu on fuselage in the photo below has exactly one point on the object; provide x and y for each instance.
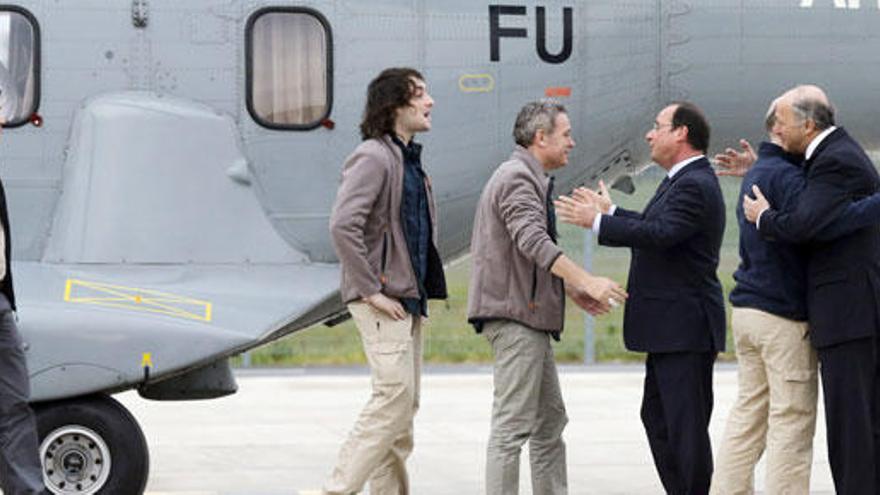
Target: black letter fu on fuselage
(496, 32)
(563, 55)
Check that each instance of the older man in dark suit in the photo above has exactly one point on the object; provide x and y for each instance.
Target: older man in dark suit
(675, 311)
(843, 280)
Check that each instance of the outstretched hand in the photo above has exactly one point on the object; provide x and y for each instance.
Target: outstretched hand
(604, 290)
(600, 198)
(587, 303)
(596, 295)
(575, 211)
(736, 163)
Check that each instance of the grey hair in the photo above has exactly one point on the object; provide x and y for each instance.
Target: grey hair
(770, 118)
(815, 110)
(810, 103)
(535, 116)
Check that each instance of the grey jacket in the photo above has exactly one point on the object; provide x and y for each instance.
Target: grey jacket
(512, 251)
(367, 229)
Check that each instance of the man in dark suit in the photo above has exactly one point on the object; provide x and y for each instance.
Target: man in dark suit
(20, 470)
(675, 311)
(843, 280)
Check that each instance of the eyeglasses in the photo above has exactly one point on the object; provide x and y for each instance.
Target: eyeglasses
(655, 126)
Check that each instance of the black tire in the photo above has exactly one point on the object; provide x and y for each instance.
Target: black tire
(81, 437)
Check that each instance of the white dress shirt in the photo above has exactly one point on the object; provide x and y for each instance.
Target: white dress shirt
(811, 148)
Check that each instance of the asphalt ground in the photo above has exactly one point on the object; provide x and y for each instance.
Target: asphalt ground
(281, 432)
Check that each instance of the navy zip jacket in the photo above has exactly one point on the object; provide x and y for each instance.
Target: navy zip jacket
(772, 276)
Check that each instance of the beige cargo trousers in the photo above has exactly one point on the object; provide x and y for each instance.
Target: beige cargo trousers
(382, 437)
(775, 409)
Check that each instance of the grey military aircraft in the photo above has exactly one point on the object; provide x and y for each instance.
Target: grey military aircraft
(170, 165)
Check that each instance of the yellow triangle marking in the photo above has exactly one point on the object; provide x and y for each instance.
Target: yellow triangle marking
(132, 298)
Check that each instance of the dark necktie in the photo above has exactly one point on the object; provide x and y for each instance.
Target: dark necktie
(551, 213)
(660, 190)
(663, 186)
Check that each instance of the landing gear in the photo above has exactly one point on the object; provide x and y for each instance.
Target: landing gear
(91, 445)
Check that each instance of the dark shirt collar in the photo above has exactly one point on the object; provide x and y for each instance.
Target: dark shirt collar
(412, 151)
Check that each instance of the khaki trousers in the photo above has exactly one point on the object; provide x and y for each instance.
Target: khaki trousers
(527, 405)
(775, 407)
(382, 437)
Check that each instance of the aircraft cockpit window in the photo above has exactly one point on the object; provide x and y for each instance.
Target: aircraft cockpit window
(19, 66)
(288, 68)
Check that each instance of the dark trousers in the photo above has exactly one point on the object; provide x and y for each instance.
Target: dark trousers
(20, 471)
(676, 408)
(852, 414)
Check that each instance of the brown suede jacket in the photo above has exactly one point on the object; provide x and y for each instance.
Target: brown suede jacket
(512, 251)
(367, 230)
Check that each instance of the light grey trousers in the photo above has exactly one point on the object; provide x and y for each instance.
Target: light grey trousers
(20, 470)
(527, 406)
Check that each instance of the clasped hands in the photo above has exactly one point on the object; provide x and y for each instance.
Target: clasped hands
(609, 295)
(596, 295)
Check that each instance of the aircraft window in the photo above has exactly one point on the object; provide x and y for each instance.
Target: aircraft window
(289, 68)
(19, 65)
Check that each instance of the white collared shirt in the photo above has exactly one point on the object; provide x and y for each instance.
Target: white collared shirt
(811, 148)
(597, 222)
(682, 164)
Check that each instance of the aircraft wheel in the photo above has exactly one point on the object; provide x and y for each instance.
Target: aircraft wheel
(91, 445)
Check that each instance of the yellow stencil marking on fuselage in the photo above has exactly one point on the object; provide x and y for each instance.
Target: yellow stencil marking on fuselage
(476, 83)
(132, 298)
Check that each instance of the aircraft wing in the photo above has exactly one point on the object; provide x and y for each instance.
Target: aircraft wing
(100, 326)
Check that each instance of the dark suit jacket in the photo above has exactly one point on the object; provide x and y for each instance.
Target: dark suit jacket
(675, 302)
(6, 283)
(843, 275)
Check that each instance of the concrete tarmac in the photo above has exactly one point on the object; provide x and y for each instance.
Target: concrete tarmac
(281, 432)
